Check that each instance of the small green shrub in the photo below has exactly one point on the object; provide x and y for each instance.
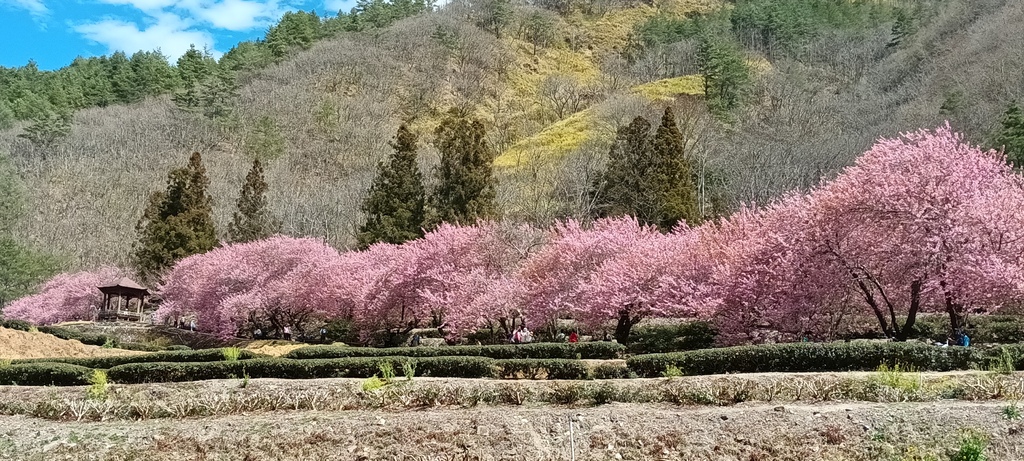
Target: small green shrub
(5, 363)
(387, 371)
(231, 354)
(409, 370)
(45, 374)
(1003, 362)
(971, 448)
(97, 385)
(899, 377)
(245, 380)
(373, 383)
(671, 371)
(1011, 412)
(109, 343)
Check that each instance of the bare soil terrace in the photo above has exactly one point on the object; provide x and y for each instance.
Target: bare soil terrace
(430, 419)
(835, 431)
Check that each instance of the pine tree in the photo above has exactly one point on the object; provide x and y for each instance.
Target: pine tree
(465, 183)
(1011, 136)
(625, 186)
(177, 222)
(726, 75)
(252, 220)
(673, 177)
(194, 68)
(394, 203)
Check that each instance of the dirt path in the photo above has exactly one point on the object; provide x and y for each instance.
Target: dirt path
(17, 344)
(859, 431)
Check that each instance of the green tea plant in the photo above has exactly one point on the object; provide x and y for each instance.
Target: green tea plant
(97, 385)
(1002, 364)
(231, 354)
(387, 372)
(1011, 412)
(672, 371)
(971, 448)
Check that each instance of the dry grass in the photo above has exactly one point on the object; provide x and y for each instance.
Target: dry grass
(16, 344)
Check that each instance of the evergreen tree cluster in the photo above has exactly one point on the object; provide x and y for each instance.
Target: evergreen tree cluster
(649, 176)
(198, 82)
(177, 222)
(397, 206)
(1010, 138)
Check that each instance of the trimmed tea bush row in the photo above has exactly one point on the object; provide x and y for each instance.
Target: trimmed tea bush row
(349, 367)
(588, 350)
(797, 357)
(44, 374)
(203, 355)
(541, 368)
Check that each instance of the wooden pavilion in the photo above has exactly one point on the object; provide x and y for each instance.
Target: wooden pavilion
(124, 291)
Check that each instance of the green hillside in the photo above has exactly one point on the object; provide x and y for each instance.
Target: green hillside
(811, 84)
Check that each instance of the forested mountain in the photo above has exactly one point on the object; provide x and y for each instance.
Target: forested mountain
(768, 96)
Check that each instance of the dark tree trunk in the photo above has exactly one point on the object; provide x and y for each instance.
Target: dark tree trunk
(623, 327)
(915, 306)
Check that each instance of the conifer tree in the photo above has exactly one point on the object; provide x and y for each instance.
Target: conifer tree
(1011, 136)
(673, 178)
(649, 177)
(465, 183)
(177, 222)
(394, 203)
(252, 220)
(625, 186)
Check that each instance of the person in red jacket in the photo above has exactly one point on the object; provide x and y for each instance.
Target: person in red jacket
(573, 338)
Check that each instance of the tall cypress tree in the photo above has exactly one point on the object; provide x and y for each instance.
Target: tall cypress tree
(177, 222)
(1011, 136)
(649, 177)
(625, 186)
(673, 178)
(252, 220)
(394, 203)
(465, 181)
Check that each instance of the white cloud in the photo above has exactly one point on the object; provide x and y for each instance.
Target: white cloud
(170, 33)
(234, 15)
(144, 5)
(35, 7)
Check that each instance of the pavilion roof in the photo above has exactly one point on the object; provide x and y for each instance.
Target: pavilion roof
(125, 286)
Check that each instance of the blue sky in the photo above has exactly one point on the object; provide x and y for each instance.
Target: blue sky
(53, 32)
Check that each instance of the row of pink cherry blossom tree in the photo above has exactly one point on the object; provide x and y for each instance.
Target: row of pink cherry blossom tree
(921, 223)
